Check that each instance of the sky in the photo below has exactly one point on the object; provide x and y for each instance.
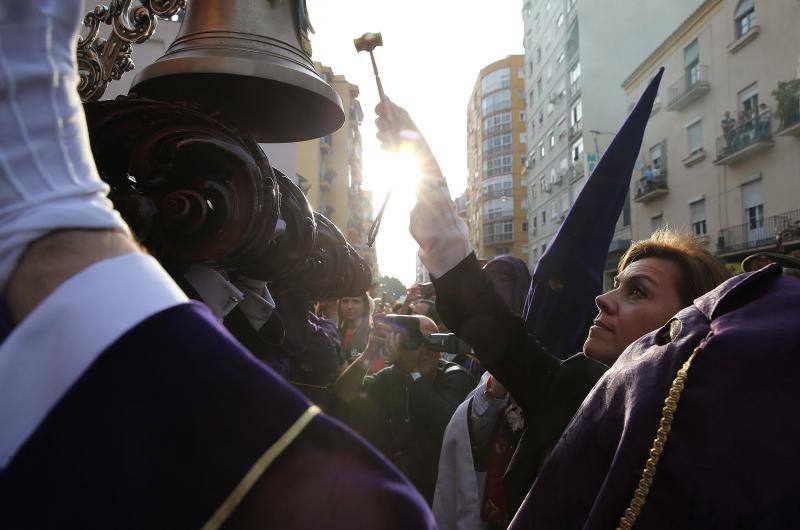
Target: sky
(432, 53)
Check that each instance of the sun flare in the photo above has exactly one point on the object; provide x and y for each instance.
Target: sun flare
(399, 174)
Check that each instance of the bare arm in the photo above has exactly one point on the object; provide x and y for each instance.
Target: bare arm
(55, 258)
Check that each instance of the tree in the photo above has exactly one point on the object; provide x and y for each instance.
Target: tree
(393, 287)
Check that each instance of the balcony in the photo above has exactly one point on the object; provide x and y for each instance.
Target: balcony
(574, 131)
(495, 217)
(790, 125)
(497, 194)
(577, 171)
(574, 91)
(760, 234)
(688, 88)
(743, 142)
(326, 178)
(652, 187)
(325, 143)
(496, 129)
(495, 239)
(496, 150)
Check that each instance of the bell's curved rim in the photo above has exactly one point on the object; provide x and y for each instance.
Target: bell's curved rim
(294, 76)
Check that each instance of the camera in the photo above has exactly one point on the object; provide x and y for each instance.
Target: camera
(412, 338)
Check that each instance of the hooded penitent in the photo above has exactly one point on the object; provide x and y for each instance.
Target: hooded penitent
(569, 275)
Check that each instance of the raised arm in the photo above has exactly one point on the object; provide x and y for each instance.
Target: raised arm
(465, 298)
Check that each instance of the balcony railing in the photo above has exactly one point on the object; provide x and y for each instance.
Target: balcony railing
(574, 131)
(494, 217)
(790, 125)
(652, 186)
(498, 128)
(742, 142)
(688, 88)
(497, 149)
(503, 237)
(497, 194)
(760, 232)
(497, 171)
(574, 90)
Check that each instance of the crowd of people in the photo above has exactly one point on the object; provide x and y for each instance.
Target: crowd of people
(125, 404)
(748, 126)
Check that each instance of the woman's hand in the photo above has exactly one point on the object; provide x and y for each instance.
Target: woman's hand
(439, 231)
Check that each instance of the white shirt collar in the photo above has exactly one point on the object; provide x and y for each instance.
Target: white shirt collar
(54, 345)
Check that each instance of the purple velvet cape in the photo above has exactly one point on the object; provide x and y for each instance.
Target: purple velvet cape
(165, 423)
(731, 459)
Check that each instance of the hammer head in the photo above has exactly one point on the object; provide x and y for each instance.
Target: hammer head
(368, 42)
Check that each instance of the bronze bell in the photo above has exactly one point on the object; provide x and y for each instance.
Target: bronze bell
(249, 61)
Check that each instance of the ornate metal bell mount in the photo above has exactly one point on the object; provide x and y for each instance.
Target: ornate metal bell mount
(334, 268)
(249, 61)
(289, 252)
(192, 189)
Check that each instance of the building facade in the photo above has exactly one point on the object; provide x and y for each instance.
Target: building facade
(721, 155)
(329, 171)
(577, 54)
(496, 196)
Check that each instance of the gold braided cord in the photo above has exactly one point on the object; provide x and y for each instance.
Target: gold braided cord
(665, 425)
(261, 465)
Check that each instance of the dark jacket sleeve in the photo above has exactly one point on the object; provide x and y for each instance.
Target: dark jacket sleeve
(468, 305)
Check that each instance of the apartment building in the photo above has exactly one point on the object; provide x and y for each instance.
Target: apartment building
(496, 146)
(329, 171)
(721, 155)
(577, 54)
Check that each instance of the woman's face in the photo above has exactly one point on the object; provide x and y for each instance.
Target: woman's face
(644, 298)
(351, 308)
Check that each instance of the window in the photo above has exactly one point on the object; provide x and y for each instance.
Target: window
(694, 134)
(656, 222)
(575, 73)
(552, 138)
(560, 58)
(522, 138)
(560, 20)
(541, 149)
(494, 144)
(691, 63)
(539, 54)
(748, 103)
(753, 203)
(539, 85)
(498, 165)
(698, 215)
(576, 115)
(496, 80)
(496, 101)
(524, 227)
(521, 116)
(544, 221)
(547, 5)
(520, 73)
(577, 150)
(544, 247)
(656, 155)
(745, 17)
(497, 123)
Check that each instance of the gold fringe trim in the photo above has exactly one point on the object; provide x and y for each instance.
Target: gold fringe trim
(261, 465)
(665, 425)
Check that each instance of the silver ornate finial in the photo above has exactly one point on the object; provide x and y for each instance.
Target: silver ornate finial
(101, 61)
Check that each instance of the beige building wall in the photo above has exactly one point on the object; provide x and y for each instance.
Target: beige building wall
(496, 193)
(734, 192)
(329, 170)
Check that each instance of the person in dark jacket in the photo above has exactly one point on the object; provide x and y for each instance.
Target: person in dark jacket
(405, 408)
(656, 279)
